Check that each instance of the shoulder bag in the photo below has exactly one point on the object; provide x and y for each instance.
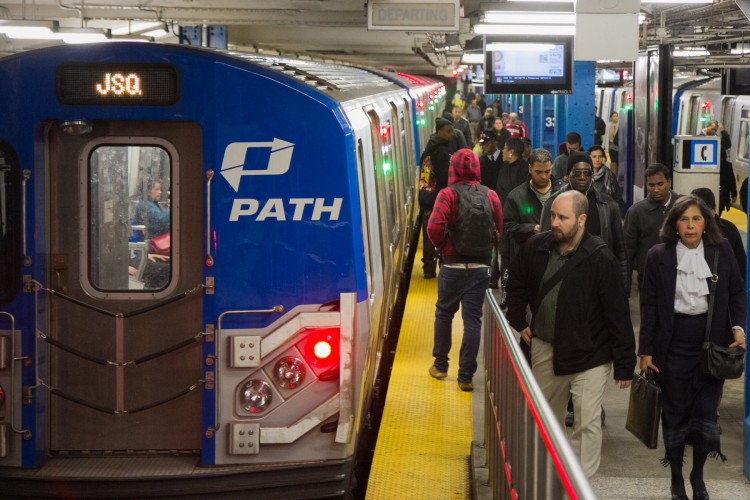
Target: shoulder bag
(719, 362)
(644, 409)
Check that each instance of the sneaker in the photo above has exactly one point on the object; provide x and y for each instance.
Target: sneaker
(466, 386)
(428, 276)
(435, 373)
(569, 419)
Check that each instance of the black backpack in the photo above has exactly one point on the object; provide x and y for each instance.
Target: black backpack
(474, 232)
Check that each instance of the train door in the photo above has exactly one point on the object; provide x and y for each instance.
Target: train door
(124, 323)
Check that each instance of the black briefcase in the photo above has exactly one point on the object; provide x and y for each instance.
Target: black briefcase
(644, 410)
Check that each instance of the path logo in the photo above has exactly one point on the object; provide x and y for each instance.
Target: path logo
(233, 166)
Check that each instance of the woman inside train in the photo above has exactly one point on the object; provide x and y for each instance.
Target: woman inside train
(674, 312)
(156, 219)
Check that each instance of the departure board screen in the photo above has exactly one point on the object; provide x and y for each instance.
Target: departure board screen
(118, 84)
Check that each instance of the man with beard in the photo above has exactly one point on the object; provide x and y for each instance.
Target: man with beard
(580, 329)
(603, 218)
(643, 219)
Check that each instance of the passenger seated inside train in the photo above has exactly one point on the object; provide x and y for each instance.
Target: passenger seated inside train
(151, 264)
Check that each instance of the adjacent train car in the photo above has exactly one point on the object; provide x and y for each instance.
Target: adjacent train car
(200, 257)
(696, 100)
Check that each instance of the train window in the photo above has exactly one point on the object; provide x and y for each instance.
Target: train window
(694, 125)
(383, 159)
(129, 218)
(727, 113)
(10, 225)
(742, 147)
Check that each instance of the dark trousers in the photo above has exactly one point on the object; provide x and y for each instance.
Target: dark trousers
(429, 253)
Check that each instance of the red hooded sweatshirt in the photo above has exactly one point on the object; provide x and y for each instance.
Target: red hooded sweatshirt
(464, 169)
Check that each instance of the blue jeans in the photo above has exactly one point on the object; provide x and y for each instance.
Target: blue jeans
(464, 287)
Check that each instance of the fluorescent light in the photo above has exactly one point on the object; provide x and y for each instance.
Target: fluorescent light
(677, 1)
(690, 53)
(81, 35)
(523, 29)
(472, 59)
(526, 47)
(529, 17)
(545, 1)
(27, 29)
(135, 28)
(156, 33)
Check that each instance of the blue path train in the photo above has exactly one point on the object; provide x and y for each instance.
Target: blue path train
(201, 255)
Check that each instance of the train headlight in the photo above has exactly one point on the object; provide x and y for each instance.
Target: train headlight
(289, 372)
(256, 396)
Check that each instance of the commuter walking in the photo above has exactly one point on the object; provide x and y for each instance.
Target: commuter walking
(465, 225)
(674, 314)
(603, 217)
(434, 176)
(643, 219)
(580, 323)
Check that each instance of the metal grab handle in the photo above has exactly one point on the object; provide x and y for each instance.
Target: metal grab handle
(219, 340)
(209, 257)
(13, 373)
(26, 258)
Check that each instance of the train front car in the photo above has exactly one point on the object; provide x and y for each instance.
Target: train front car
(206, 254)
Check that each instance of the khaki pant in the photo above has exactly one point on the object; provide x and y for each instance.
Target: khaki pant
(587, 389)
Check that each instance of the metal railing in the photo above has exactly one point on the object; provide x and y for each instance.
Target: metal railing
(528, 453)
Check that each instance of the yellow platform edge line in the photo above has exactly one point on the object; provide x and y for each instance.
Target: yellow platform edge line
(426, 432)
(736, 217)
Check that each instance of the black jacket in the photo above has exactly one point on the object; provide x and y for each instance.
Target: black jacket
(592, 320)
(658, 291)
(440, 152)
(522, 211)
(610, 225)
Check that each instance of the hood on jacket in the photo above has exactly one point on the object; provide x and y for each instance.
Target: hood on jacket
(464, 167)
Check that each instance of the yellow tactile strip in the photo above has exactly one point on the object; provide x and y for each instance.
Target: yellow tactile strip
(426, 432)
(737, 217)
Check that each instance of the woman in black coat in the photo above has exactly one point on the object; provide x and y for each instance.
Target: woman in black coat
(674, 306)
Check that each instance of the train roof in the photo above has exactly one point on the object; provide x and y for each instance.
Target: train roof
(341, 82)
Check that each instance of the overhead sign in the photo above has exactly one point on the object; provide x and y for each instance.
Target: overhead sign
(413, 15)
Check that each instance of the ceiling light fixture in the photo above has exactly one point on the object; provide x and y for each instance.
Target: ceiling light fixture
(524, 29)
(472, 58)
(677, 1)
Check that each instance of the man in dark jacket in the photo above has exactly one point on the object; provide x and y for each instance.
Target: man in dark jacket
(463, 279)
(580, 323)
(603, 218)
(439, 151)
(522, 208)
(643, 219)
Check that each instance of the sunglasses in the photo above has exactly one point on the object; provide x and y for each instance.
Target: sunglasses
(582, 173)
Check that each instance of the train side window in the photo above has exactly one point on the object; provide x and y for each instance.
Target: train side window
(742, 147)
(130, 219)
(10, 224)
(383, 159)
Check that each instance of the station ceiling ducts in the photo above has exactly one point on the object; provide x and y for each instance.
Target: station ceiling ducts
(714, 35)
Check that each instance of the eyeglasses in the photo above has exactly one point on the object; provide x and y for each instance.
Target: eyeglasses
(582, 173)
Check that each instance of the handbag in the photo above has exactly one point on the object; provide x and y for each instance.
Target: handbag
(161, 244)
(719, 362)
(644, 409)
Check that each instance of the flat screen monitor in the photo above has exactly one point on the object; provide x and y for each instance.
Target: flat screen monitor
(529, 64)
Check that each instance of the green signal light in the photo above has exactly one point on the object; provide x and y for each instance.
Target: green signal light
(386, 167)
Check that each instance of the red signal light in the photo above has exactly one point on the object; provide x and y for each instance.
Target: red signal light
(385, 131)
(706, 104)
(320, 348)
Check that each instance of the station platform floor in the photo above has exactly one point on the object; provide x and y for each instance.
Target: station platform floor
(430, 444)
